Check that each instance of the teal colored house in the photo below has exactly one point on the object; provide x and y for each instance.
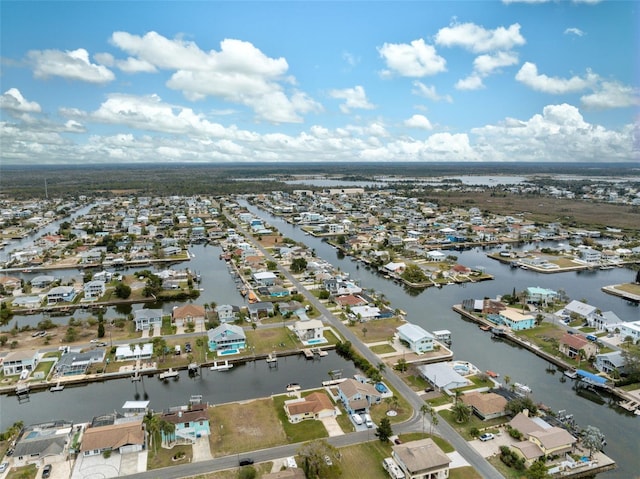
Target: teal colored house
(189, 422)
(226, 336)
(516, 320)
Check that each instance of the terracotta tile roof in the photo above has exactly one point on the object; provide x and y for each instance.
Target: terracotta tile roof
(575, 341)
(112, 436)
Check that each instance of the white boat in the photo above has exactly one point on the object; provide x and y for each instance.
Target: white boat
(224, 366)
(170, 373)
(522, 389)
(571, 373)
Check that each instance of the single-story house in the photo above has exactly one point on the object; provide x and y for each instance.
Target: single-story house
(316, 405)
(442, 376)
(10, 283)
(421, 459)
(366, 312)
(27, 302)
(350, 300)
(357, 396)
(190, 423)
(73, 363)
(17, 361)
(122, 437)
(572, 344)
(140, 351)
(147, 318)
(42, 441)
(61, 294)
(420, 341)
(189, 313)
(485, 405)
(630, 328)
(226, 336)
(306, 330)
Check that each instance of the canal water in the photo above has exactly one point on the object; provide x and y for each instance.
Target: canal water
(430, 308)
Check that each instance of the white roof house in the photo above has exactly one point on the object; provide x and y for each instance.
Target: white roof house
(442, 376)
(140, 351)
(581, 309)
(419, 340)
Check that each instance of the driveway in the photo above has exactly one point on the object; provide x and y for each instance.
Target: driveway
(201, 449)
(332, 426)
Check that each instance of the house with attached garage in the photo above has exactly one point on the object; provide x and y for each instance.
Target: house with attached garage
(145, 319)
(485, 405)
(421, 459)
(189, 313)
(540, 438)
(43, 442)
(357, 396)
(316, 405)
(226, 336)
(227, 313)
(121, 437)
(610, 362)
(575, 345)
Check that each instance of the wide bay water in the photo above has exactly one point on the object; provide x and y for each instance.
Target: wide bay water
(430, 308)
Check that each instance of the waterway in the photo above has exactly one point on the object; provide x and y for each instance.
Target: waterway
(430, 308)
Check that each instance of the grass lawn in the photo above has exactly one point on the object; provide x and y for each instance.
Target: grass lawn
(261, 469)
(382, 349)
(26, 472)
(164, 457)
(464, 428)
(365, 460)
(629, 288)
(506, 471)
(378, 330)
(44, 366)
(52, 354)
(464, 473)
(271, 339)
(246, 426)
(303, 431)
(564, 262)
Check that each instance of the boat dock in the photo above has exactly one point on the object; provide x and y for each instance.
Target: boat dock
(222, 366)
(307, 353)
(168, 374)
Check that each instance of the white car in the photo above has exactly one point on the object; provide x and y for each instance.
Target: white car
(4, 466)
(487, 436)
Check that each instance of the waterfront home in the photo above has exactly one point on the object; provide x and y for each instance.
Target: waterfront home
(339, 287)
(42, 281)
(395, 268)
(442, 376)
(316, 405)
(265, 278)
(540, 438)
(421, 459)
(540, 296)
(514, 319)
(577, 308)
(308, 330)
(42, 442)
(610, 362)
(135, 408)
(28, 302)
(485, 405)
(419, 340)
(576, 346)
(190, 423)
(631, 329)
(366, 312)
(94, 289)
(17, 361)
(10, 283)
(607, 321)
(591, 256)
(61, 294)
(147, 318)
(139, 351)
(357, 396)
(226, 336)
(73, 362)
(350, 300)
(189, 313)
(227, 313)
(260, 309)
(121, 437)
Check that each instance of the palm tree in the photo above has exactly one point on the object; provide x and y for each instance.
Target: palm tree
(167, 429)
(461, 412)
(424, 410)
(152, 425)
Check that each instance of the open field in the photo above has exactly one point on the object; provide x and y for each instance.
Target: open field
(378, 330)
(633, 288)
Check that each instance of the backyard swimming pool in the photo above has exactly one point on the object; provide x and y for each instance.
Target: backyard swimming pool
(228, 352)
(316, 341)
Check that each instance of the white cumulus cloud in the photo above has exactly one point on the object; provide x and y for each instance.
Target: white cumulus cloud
(478, 39)
(13, 100)
(429, 91)
(472, 82)
(529, 75)
(488, 63)
(354, 98)
(73, 65)
(611, 95)
(416, 59)
(419, 121)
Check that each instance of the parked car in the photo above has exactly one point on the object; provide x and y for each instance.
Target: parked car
(246, 462)
(328, 461)
(487, 436)
(187, 347)
(46, 471)
(4, 466)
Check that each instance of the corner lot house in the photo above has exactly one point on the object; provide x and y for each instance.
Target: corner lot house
(420, 341)
(485, 405)
(421, 459)
(17, 361)
(357, 397)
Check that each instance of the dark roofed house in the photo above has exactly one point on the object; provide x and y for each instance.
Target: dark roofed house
(422, 459)
(190, 423)
(571, 345)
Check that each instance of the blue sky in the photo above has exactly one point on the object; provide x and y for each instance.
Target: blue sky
(273, 81)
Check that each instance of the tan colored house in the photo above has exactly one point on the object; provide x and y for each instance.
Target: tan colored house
(189, 313)
(314, 406)
(540, 439)
(421, 459)
(123, 438)
(571, 344)
(485, 405)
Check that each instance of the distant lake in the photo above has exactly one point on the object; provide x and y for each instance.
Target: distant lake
(387, 182)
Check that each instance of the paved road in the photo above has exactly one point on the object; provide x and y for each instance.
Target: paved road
(416, 421)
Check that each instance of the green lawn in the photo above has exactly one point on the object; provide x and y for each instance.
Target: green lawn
(163, 457)
(382, 349)
(465, 428)
(302, 431)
